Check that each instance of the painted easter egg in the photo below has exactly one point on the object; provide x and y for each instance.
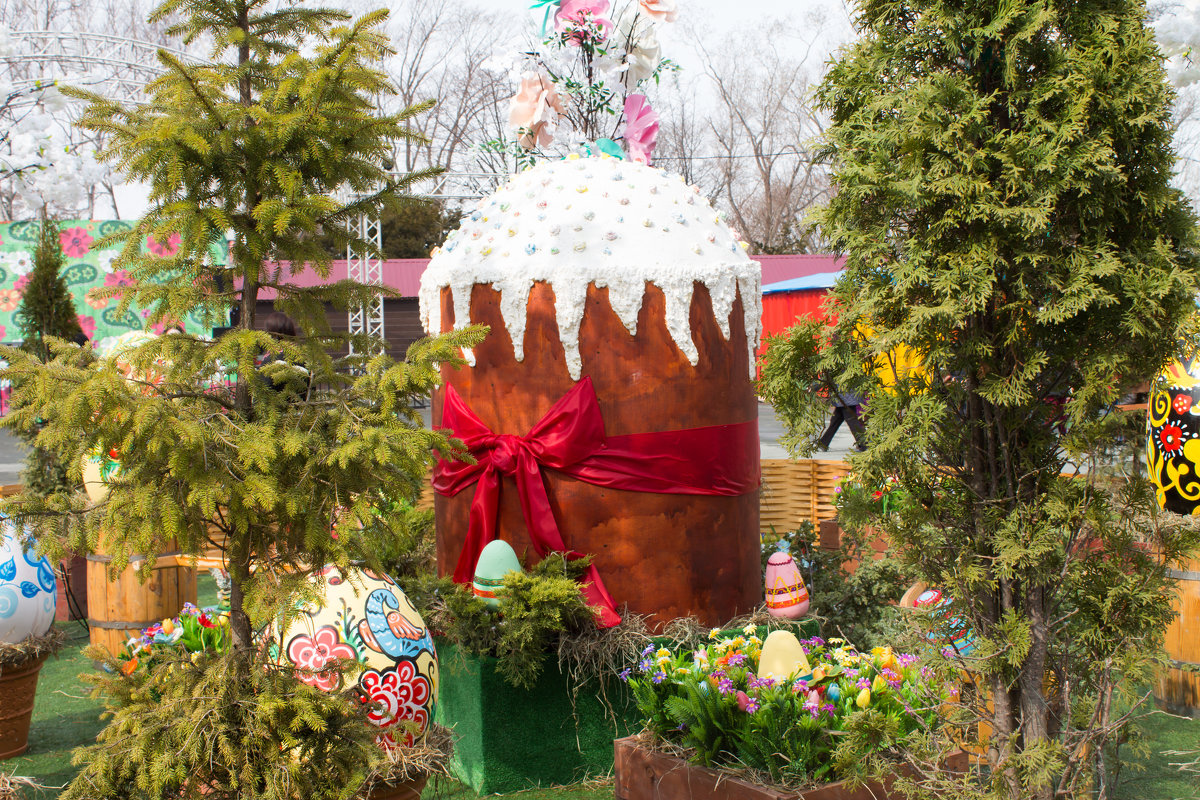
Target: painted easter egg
(782, 657)
(787, 596)
(28, 589)
(495, 561)
(367, 617)
(98, 468)
(1173, 428)
(961, 638)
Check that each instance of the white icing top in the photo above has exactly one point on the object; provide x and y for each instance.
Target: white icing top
(599, 220)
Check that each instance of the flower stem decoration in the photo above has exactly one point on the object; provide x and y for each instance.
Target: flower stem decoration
(580, 87)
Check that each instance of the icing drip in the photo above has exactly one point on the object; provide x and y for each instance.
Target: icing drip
(601, 221)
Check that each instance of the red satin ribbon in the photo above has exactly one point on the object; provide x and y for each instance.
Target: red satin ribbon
(721, 460)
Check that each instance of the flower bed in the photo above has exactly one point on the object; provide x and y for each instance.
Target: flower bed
(793, 730)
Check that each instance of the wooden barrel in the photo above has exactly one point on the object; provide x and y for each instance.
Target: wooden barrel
(664, 555)
(1178, 689)
(120, 607)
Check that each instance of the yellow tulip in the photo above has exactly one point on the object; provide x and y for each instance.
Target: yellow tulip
(818, 674)
(879, 684)
(864, 698)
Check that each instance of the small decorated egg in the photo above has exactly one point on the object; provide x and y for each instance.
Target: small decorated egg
(782, 657)
(28, 588)
(495, 561)
(961, 638)
(367, 617)
(98, 468)
(787, 596)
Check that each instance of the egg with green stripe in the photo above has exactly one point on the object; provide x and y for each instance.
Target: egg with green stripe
(497, 560)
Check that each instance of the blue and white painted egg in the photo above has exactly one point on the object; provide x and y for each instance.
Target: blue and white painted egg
(28, 589)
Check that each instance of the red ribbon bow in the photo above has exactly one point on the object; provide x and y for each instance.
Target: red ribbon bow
(570, 438)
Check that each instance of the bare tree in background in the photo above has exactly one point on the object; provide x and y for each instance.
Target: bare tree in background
(441, 48)
(764, 130)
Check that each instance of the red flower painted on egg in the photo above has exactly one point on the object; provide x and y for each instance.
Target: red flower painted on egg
(1170, 438)
(400, 693)
(1182, 403)
(313, 653)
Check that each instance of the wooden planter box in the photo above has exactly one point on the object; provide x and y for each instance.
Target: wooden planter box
(643, 774)
(508, 739)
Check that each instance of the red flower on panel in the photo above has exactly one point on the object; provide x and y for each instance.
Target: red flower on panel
(164, 249)
(1171, 438)
(315, 652)
(75, 242)
(396, 694)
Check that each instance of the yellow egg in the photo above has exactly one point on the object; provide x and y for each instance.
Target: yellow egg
(782, 657)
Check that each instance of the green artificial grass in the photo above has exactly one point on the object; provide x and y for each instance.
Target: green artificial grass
(65, 717)
(1154, 776)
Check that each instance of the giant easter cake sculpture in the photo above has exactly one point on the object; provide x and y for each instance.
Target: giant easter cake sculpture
(1173, 435)
(624, 312)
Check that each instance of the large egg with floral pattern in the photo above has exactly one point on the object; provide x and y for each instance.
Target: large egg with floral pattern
(28, 588)
(1173, 428)
(367, 617)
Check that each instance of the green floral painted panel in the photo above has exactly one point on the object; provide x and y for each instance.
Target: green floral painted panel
(86, 268)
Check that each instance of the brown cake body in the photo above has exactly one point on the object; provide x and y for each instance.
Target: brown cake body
(664, 555)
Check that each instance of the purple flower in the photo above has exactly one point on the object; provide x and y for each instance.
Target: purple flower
(649, 649)
(828, 709)
(659, 676)
(800, 686)
(761, 683)
(725, 686)
(646, 665)
(717, 674)
(947, 652)
(863, 683)
(906, 659)
(926, 673)
(737, 658)
(851, 673)
(624, 674)
(752, 705)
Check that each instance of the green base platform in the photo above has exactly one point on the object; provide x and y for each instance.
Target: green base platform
(509, 739)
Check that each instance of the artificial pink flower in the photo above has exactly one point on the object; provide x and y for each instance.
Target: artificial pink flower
(662, 10)
(534, 106)
(75, 242)
(583, 20)
(641, 128)
(20, 283)
(87, 325)
(164, 249)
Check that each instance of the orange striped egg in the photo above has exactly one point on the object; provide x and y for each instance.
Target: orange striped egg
(787, 596)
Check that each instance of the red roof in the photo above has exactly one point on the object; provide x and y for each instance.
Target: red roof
(404, 274)
(401, 274)
(782, 268)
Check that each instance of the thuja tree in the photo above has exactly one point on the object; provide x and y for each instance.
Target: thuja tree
(47, 310)
(1003, 201)
(249, 443)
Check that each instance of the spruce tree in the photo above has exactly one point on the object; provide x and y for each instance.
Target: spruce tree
(1003, 201)
(260, 144)
(47, 309)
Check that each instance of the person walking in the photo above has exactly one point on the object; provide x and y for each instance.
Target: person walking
(845, 408)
